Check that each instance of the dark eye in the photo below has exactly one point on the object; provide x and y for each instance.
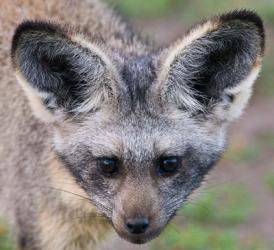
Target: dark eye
(108, 166)
(168, 165)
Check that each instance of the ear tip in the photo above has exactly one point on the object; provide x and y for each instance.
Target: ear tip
(249, 16)
(30, 26)
(243, 15)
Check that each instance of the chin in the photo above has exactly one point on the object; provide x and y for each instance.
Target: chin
(139, 239)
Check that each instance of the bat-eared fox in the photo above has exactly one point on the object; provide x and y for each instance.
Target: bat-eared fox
(105, 130)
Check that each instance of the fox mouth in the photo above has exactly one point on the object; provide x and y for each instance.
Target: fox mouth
(140, 238)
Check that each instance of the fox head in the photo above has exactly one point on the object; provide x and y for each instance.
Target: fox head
(139, 132)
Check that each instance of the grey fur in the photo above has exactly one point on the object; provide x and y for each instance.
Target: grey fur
(138, 119)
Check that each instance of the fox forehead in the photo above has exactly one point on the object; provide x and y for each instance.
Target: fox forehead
(135, 136)
(136, 77)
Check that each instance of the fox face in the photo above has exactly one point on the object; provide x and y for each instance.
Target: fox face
(139, 132)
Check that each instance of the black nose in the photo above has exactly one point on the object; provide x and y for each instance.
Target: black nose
(137, 225)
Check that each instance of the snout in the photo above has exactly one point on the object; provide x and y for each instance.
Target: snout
(137, 216)
(137, 225)
(137, 229)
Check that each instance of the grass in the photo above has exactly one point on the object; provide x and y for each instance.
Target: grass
(5, 242)
(146, 9)
(267, 139)
(228, 206)
(210, 223)
(190, 10)
(244, 153)
(267, 76)
(195, 237)
(269, 181)
(239, 154)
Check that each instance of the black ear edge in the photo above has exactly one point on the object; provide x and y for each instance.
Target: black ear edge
(35, 26)
(246, 16)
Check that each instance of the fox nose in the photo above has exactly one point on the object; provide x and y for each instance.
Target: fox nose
(137, 225)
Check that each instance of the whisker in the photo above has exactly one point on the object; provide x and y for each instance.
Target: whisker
(81, 218)
(67, 191)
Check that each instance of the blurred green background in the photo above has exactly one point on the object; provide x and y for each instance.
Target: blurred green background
(235, 208)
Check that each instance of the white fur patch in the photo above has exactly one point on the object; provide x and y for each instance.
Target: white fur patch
(35, 98)
(241, 93)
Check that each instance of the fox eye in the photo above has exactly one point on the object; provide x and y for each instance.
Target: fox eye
(108, 166)
(168, 165)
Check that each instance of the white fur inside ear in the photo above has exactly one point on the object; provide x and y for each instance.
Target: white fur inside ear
(35, 99)
(241, 94)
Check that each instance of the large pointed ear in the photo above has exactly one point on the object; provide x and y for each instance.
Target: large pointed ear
(61, 73)
(213, 68)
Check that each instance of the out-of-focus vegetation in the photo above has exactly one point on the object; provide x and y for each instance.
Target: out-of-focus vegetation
(5, 242)
(225, 206)
(243, 153)
(269, 180)
(209, 222)
(192, 10)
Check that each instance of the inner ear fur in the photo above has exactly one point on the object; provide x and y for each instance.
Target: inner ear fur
(215, 65)
(59, 70)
